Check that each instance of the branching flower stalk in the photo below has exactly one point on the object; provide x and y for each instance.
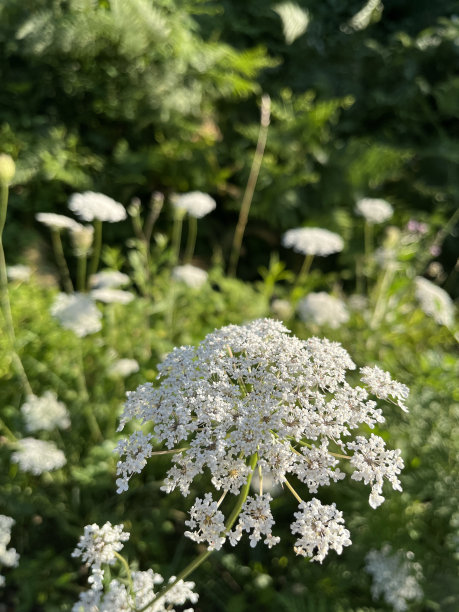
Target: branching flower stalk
(251, 184)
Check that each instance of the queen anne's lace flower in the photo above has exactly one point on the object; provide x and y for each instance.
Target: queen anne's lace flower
(78, 313)
(313, 241)
(19, 272)
(57, 222)
(124, 368)
(323, 309)
(90, 205)
(253, 396)
(8, 557)
(45, 412)
(38, 456)
(435, 302)
(381, 384)
(111, 279)
(374, 210)
(395, 577)
(195, 203)
(112, 296)
(190, 275)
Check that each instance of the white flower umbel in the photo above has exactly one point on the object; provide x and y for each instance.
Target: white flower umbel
(208, 523)
(313, 241)
(254, 395)
(323, 309)
(57, 222)
(256, 517)
(190, 275)
(196, 203)
(37, 456)
(112, 296)
(111, 279)
(395, 577)
(19, 272)
(374, 210)
(8, 556)
(78, 313)
(381, 384)
(123, 368)
(321, 528)
(44, 413)
(283, 309)
(435, 302)
(90, 206)
(98, 544)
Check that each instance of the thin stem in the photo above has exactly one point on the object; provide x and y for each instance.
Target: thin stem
(97, 247)
(203, 556)
(92, 421)
(127, 570)
(81, 272)
(251, 184)
(302, 274)
(368, 245)
(295, 494)
(61, 261)
(191, 239)
(156, 205)
(177, 236)
(260, 476)
(169, 452)
(9, 434)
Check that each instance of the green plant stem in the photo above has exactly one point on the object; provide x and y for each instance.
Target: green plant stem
(251, 184)
(81, 272)
(303, 273)
(191, 239)
(203, 556)
(127, 569)
(368, 246)
(5, 298)
(97, 247)
(381, 290)
(176, 237)
(92, 421)
(61, 261)
(292, 490)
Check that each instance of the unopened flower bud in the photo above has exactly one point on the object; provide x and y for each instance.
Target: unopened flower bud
(7, 168)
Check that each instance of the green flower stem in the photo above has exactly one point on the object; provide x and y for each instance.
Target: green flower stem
(5, 298)
(127, 569)
(92, 421)
(177, 236)
(81, 272)
(9, 434)
(203, 556)
(294, 493)
(251, 184)
(381, 292)
(97, 247)
(191, 239)
(303, 273)
(368, 245)
(60, 259)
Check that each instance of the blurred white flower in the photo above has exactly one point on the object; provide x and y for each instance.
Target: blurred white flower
(112, 296)
(90, 205)
(111, 279)
(374, 210)
(395, 577)
(37, 456)
(8, 557)
(82, 238)
(282, 308)
(57, 222)
(123, 368)
(44, 413)
(190, 275)
(18, 272)
(358, 302)
(78, 313)
(323, 309)
(195, 203)
(295, 20)
(434, 301)
(313, 241)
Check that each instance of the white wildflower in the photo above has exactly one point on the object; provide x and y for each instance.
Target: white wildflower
(111, 279)
(19, 272)
(323, 309)
(282, 308)
(37, 456)
(90, 205)
(195, 203)
(78, 313)
(8, 556)
(44, 413)
(254, 397)
(374, 210)
(321, 528)
(435, 302)
(98, 545)
(295, 20)
(395, 577)
(82, 238)
(208, 523)
(124, 368)
(381, 384)
(57, 222)
(255, 517)
(190, 275)
(313, 241)
(112, 296)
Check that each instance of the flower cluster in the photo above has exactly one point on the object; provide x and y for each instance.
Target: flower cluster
(8, 557)
(78, 313)
(112, 296)
(313, 241)
(100, 546)
(190, 275)
(124, 368)
(19, 272)
(323, 309)
(253, 395)
(395, 576)
(111, 279)
(195, 203)
(435, 302)
(89, 206)
(45, 413)
(374, 210)
(57, 222)
(37, 456)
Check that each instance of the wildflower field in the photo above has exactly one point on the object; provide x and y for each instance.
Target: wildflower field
(228, 274)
